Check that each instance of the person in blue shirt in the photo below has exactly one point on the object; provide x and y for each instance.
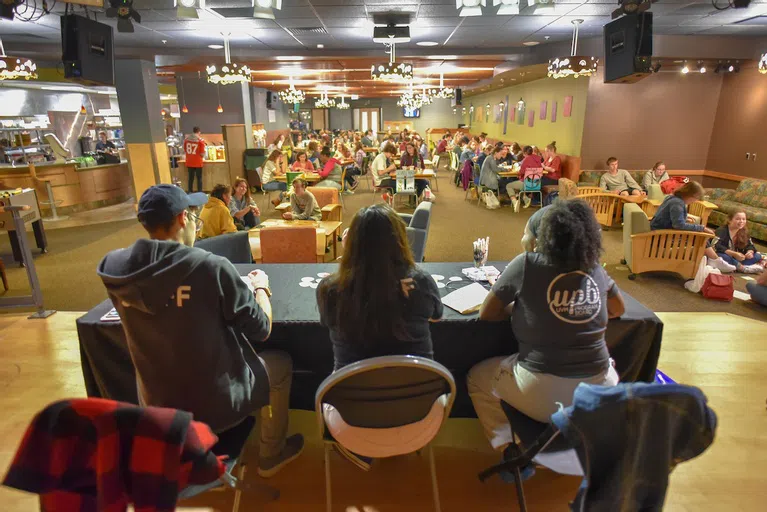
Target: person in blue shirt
(672, 213)
(468, 153)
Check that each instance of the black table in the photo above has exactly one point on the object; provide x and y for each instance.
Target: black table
(460, 341)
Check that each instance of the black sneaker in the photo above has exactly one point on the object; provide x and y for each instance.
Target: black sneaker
(270, 466)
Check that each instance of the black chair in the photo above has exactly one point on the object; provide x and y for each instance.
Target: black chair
(418, 229)
(233, 246)
(231, 443)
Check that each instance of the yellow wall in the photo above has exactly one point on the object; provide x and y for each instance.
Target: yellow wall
(566, 131)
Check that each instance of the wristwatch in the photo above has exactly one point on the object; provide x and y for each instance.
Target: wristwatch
(266, 289)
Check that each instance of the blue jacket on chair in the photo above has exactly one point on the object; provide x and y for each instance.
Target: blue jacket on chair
(629, 438)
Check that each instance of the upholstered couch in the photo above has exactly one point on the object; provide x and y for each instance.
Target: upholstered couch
(750, 196)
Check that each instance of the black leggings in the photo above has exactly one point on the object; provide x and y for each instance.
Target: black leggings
(391, 183)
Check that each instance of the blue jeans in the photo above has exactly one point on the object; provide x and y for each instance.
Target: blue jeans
(748, 261)
(758, 292)
(276, 185)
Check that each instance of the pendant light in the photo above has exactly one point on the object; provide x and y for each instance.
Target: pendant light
(220, 109)
(292, 96)
(230, 72)
(391, 71)
(443, 92)
(16, 68)
(181, 85)
(573, 65)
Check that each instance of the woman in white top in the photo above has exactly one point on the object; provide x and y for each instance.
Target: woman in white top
(656, 176)
(273, 168)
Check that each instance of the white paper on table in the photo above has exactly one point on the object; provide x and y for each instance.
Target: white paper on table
(467, 299)
(480, 274)
(748, 278)
(247, 281)
(741, 295)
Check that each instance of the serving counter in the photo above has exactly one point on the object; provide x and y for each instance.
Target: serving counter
(213, 173)
(74, 188)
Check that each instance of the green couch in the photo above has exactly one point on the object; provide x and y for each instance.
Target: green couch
(750, 196)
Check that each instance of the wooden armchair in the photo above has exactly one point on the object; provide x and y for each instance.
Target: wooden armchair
(667, 250)
(590, 190)
(604, 206)
(328, 201)
(701, 210)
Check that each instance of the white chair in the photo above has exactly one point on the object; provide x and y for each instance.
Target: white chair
(384, 393)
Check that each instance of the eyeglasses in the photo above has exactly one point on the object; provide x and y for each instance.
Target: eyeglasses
(197, 221)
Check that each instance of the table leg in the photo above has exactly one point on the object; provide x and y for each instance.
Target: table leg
(15, 248)
(335, 244)
(40, 239)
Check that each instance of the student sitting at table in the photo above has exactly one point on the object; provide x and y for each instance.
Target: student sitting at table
(461, 145)
(410, 157)
(302, 163)
(215, 215)
(278, 142)
(516, 152)
(469, 153)
(192, 324)
(367, 140)
(303, 204)
(243, 208)
(655, 176)
(488, 174)
(388, 140)
(378, 303)
(552, 164)
(423, 149)
(313, 153)
(562, 299)
(383, 164)
(484, 154)
(619, 181)
(359, 155)
(272, 169)
(331, 172)
(443, 143)
(531, 161)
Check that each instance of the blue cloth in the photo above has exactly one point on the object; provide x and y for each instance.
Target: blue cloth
(467, 154)
(672, 214)
(748, 261)
(629, 437)
(758, 292)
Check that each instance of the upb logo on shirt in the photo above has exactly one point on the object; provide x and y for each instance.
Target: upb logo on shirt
(574, 297)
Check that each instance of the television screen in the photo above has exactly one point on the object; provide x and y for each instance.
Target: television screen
(411, 112)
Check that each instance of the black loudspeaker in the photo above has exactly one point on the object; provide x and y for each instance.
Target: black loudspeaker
(458, 97)
(87, 50)
(628, 48)
(271, 100)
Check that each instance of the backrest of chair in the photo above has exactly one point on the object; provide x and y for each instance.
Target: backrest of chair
(421, 216)
(603, 206)
(699, 209)
(567, 188)
(324, 195)
(589, 190)
(386, 392)
(233, 246)
(672, 245)
(288, 245)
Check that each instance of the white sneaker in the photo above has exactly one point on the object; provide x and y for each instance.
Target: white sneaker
(722, 265)
(526, 200)
(515, 204)
(752, 269)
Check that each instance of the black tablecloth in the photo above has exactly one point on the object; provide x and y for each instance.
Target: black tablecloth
(460, 341)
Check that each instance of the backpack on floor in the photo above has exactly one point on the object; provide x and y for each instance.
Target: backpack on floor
(719, 287)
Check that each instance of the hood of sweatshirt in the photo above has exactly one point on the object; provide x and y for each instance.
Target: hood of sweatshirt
(145, 275)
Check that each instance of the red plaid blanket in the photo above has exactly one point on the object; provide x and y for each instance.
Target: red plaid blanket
(100, 455)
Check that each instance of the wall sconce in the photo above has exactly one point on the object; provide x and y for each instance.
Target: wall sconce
(520, 103)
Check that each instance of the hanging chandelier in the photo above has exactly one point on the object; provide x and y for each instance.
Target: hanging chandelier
(424, 97)
(230, 72)
(391, 71)
(574, 65)
(342, 105)
(410, 100)
(324, 101)
(13, 68)
(292, 95)
(763, 64)
(443, 92)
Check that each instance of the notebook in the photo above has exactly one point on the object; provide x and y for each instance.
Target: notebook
(466, 300)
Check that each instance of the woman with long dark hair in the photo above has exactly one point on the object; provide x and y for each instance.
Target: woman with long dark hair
(379, 303)
(734, 245)
(562, 300)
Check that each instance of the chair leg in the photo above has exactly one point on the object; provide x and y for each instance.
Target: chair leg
(434, 486)
(238, 492)
(3, 275)
(328, 498)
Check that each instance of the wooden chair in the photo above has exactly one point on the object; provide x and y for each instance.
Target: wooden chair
(701, 211)
(328, 201)
(667, 250)
(288, 245)
(604, 206)
(590, 190)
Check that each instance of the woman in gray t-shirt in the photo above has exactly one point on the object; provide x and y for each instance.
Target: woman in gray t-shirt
(562, 298)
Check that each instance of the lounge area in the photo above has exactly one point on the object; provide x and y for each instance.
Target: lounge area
(319, 280)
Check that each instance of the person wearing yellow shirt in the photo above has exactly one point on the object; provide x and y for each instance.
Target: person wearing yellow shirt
(216, 217)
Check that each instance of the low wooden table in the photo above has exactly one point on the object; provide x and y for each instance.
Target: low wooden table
(327, 235)
(311, 177)
(371, 150)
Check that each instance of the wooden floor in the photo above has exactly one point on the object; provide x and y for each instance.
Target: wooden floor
(723, 354)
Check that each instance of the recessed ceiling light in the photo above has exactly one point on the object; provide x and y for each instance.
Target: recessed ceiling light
(427, 43)
(531, 43)
(216, 46)
(320, 46)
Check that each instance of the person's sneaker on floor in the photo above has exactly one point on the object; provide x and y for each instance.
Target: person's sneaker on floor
(752, 269)
(360, 461)
(515, 204)
(721, 265)
(348, 192)
(526, 201)
(270, 466)
(355, 184)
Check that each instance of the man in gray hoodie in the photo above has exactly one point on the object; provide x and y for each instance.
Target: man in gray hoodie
(191, 323)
